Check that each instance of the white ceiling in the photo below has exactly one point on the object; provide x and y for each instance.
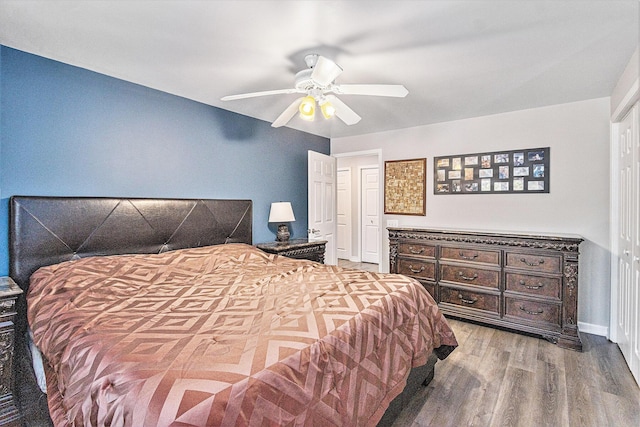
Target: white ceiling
(458, 59)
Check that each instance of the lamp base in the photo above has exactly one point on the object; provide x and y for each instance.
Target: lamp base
(283, 233)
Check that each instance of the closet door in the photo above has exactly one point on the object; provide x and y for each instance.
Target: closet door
(635, 249)
(628, 283)
(370, 191)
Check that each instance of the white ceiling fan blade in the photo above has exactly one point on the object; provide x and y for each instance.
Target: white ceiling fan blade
(397, 91)
(263, 93)
(287, 114)
(325, 71)
(343, 112)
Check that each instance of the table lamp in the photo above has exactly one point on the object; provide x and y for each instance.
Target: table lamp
(281, 212)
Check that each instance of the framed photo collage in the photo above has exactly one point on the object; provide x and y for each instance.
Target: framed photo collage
(514, 171)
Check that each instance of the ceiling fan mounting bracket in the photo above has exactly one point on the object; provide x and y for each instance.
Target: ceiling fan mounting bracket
(311, 59)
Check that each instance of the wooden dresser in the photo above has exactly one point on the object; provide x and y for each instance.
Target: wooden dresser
(9, 292)
(525, 282)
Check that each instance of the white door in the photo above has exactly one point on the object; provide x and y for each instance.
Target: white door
(635, 249)
(343, 216)
(322, 202)
(628, 250)
(370, 181)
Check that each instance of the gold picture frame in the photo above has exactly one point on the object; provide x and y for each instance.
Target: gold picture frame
(405, 187)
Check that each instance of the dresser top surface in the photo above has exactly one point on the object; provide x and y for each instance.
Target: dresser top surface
(8, 287)
(488, 233)
(290, 244)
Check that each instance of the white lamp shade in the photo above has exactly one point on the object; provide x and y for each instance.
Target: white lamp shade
(281, 212)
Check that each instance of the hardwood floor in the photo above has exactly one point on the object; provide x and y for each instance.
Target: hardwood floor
(500, 378)
(358, 265)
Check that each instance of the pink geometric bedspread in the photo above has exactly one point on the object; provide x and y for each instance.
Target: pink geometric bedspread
(227, 335)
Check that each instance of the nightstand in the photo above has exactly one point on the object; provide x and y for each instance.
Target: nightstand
(9, 292)
(313, 250)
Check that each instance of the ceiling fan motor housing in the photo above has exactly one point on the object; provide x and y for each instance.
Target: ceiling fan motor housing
(303, 81)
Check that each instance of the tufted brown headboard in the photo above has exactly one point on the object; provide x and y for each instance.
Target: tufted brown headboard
(49, 230)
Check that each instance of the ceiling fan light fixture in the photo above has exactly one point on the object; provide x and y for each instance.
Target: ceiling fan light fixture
(307, 108)
(328, 110)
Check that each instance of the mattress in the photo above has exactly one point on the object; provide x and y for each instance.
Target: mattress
(227, 335)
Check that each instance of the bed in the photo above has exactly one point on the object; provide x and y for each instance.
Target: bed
(198, 327)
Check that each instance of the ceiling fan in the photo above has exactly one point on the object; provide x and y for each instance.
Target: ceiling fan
(317, 83)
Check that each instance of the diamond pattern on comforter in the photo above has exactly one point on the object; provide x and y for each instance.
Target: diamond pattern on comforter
(227, 335)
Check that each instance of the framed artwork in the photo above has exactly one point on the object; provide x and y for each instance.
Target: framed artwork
(405, 187)
(509, 171)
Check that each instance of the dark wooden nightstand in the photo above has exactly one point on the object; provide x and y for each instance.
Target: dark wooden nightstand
(9, 292)
(313, 250)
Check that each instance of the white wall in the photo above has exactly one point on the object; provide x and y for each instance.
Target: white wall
(578, 202)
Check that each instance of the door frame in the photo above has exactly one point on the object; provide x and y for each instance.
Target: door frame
(377, 152)
(350, 232)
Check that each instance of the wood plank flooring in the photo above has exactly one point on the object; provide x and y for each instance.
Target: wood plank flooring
(358, 265)
(501, 378)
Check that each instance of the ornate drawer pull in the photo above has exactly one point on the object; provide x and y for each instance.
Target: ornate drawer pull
(461, 255)
(416, 271)
(532, 264)
(535, 313)
(467, 301)
(538, 286)
(414, 251)
(461, 274)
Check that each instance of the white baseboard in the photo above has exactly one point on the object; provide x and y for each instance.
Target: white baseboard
(354, 259)
(590, 328)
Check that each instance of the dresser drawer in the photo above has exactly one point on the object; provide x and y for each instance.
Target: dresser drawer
(416, 249)
(470, 275)
(470, 255)
(534, 311)
(417, 268)
(548, 287)
(7, 307)
(470, 299)
(544, 263)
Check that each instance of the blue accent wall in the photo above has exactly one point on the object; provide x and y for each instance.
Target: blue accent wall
(67, 131)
